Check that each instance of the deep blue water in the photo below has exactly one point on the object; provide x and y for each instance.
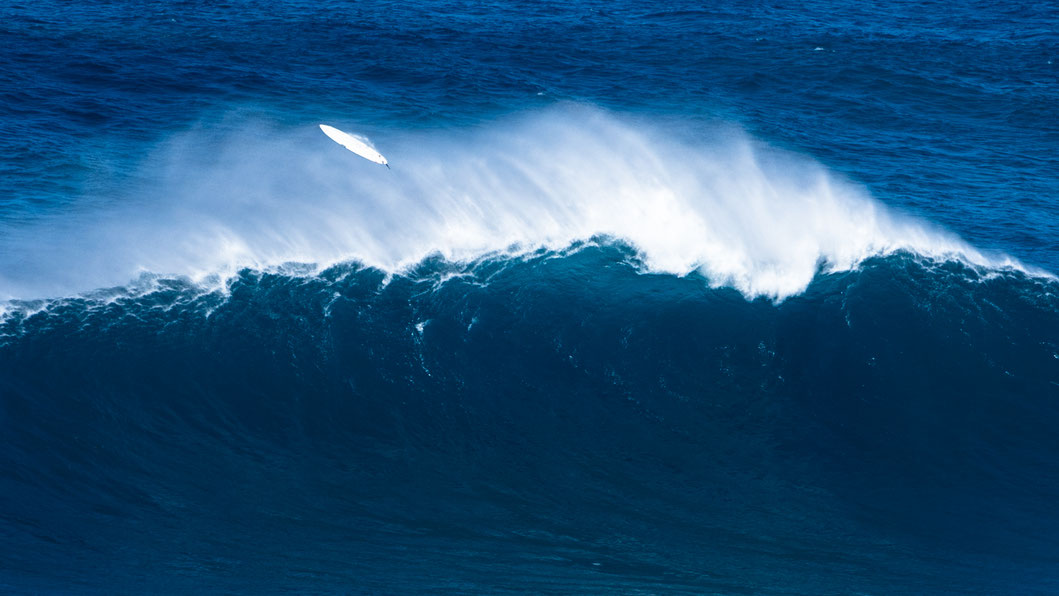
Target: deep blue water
(751, 298)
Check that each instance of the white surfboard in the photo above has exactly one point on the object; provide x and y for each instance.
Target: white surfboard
(358, 145)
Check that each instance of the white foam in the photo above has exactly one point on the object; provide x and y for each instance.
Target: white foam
(744, 215)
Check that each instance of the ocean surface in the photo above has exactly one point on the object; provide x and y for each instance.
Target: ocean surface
(718, 298)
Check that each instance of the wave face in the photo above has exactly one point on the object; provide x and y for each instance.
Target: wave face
(565, 418)
(743, 214)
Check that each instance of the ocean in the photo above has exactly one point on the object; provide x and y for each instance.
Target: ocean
(726, 298)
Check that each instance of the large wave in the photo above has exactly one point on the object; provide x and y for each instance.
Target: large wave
(714, 201)
(559, 418)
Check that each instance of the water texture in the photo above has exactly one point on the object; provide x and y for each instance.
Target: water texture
(729, 299)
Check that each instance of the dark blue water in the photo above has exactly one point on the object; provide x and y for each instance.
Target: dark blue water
(740, 298)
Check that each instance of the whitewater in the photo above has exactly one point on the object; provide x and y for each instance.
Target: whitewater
(747, 298)
(706, 199)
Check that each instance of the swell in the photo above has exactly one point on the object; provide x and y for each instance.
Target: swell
(555, 414)
(711, 201)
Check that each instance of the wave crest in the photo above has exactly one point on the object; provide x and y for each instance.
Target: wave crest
(744, 215)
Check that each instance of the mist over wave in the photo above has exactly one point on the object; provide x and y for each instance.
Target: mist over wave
(675, 299)
(714, 201)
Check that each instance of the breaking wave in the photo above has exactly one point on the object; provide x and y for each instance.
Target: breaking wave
(711, 201)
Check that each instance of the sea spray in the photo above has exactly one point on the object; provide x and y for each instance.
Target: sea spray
(743, 214)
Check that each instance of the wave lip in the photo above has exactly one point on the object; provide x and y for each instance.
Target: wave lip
(744, 215)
